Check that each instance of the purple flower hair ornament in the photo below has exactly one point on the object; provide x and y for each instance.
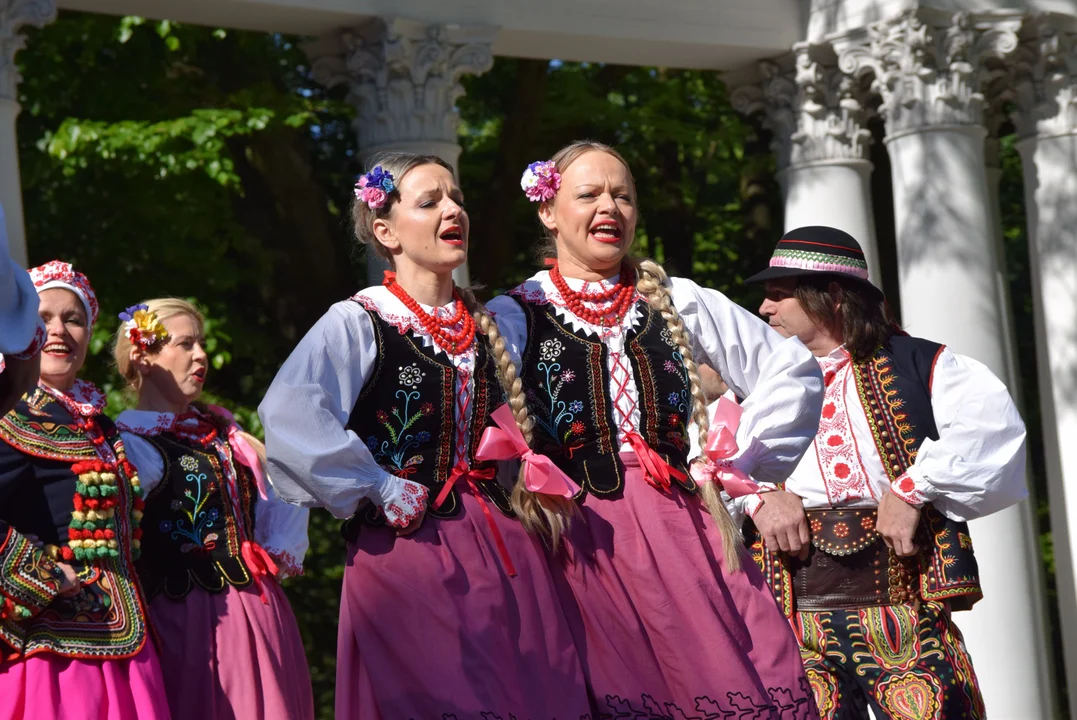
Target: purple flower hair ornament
(374, 187)
(541, 181)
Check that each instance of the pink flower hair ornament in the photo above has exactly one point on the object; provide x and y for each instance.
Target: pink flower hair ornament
(541, 181)
(374, 187)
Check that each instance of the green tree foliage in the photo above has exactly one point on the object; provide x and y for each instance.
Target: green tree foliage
(164, 159)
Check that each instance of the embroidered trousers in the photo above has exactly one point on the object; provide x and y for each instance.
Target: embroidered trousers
(908, 662)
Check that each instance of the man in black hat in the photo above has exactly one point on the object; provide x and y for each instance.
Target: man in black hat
(866, 545)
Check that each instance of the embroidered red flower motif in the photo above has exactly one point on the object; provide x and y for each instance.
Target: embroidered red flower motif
(577, 428)
(828, 410)
(382, 416)
(867, 523)
(835, 441)
(829, 377)
(427, 408)
(841, 530)
(907, 484)
(841, 470)
(674, 419)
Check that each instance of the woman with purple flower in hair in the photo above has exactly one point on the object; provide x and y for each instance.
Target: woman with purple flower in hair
(393, 411)
(670, 617)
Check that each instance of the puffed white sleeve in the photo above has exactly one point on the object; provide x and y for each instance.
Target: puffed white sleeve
(778, 378)
(148, 462)
(977, 466)
(281, 529)
(512, 322)
(314, 460)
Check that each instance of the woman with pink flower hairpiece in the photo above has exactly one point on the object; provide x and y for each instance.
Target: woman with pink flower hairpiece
(74, 638)
(393, 411)
(669, 616)
(216, 539)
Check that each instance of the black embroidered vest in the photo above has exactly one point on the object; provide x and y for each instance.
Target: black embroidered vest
(404, 414)
(192, 530)
(567, 380)
(896, 386)
(895, 390)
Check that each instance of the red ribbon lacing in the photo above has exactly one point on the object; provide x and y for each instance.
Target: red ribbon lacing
(463, 471)
(656, 470)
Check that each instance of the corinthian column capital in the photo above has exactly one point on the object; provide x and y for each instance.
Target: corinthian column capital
(14, 14)
(815, 111)
(403, 76)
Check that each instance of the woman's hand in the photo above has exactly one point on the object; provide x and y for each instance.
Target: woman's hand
(70, 585)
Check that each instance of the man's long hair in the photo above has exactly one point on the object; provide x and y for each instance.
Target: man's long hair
(861, 322)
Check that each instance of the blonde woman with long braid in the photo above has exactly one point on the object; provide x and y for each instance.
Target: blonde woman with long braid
(671, 614)
(391, 412)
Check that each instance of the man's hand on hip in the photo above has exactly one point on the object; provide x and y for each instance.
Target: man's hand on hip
(897, 524)
(782, 523)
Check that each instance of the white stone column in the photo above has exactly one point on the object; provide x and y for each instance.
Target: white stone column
(928, 74)
(404, 80)
(14, 14)
(1045, 91)
(817, 119)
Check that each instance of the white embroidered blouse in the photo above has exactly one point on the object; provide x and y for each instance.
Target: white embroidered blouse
(976, 467)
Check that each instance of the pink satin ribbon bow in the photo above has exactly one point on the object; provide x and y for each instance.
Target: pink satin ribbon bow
(243, 451)
(506, 442)
(260, 563)
(721, 446)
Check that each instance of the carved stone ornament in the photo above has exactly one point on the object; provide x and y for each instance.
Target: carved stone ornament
(813, 109)
(930, 74)
(404, 77)
(1045, 81)
(14, 14)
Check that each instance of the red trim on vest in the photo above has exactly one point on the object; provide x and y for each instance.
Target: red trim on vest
(934, 362)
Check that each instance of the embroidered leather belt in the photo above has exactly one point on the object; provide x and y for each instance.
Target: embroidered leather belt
(849, 565)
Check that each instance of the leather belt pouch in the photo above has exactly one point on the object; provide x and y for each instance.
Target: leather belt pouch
(849, 565)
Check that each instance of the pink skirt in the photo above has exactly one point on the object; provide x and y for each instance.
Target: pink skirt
(229, 656)
(51, 687)
(432, 626)
(660, 622)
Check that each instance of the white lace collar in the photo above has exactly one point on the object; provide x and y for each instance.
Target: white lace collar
(389, 308)
(149, 422)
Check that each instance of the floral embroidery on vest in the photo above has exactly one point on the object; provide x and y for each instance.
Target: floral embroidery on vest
(554, 415)
(198, 525)
(393, 451)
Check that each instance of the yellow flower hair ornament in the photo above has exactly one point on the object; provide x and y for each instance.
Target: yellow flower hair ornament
(142, 326)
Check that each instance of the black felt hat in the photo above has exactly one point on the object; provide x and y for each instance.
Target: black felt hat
(818, 251)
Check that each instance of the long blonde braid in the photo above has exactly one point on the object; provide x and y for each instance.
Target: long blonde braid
(652, 284)
(539, 513)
